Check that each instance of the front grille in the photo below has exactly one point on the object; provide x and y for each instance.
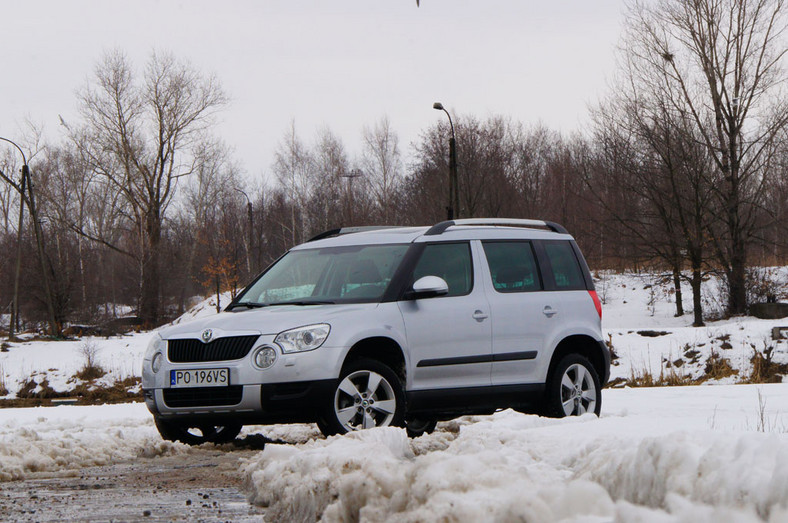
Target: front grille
(220, 349)
(203, 396)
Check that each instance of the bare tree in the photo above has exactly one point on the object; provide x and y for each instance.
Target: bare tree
(138, 136)
(331, 164)
(294, 169)
(720, 63)
(382, 164)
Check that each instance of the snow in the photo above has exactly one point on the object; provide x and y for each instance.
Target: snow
(665, 454)
(57, 362)
(68, 438)
(634, 304)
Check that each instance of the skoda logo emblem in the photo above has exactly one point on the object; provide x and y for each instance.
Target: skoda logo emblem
(206, 336)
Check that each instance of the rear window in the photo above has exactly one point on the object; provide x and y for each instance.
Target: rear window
(512, 266)
(566, 269)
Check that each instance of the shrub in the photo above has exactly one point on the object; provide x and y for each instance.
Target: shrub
(90, 370)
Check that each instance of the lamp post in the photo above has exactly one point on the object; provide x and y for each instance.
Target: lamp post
(453, 210)
(250, 218)
(30, 200)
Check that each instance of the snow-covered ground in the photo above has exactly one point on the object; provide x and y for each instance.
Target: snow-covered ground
(639, 320)
(700, 454)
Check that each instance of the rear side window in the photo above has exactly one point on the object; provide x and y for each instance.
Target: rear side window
(512, 266)
(566, 269)
(450, 261)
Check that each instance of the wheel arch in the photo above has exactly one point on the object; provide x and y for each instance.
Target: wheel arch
(382, 349)
(593, 350)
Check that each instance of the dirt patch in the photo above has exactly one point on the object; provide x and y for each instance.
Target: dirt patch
(653, 334)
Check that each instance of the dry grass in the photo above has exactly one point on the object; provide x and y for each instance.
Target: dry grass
(85, 394)
(3, 388)
(764, 370)
(28, 390)
(718, 368)
(118, 392)
(667, 378)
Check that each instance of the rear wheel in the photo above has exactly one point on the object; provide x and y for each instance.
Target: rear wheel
(573, 388)
(198, 433)
(368, 394)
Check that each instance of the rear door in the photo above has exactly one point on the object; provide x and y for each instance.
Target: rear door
(449, 337)
(523, 314)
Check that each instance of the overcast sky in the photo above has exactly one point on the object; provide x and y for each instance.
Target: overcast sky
(341, 63)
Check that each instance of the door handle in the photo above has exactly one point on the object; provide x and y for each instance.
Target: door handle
(549, 311)
(479, 315)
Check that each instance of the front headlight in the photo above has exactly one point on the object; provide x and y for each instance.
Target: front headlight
(302, 339)
(153, 354)
(155, 364)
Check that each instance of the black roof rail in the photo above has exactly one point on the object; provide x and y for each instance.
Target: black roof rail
(440, 228)
(348, 230)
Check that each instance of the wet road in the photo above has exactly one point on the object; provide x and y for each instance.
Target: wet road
(202, 485)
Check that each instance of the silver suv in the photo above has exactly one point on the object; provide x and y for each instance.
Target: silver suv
(368, 327)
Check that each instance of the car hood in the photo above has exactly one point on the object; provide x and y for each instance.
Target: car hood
(266, 320)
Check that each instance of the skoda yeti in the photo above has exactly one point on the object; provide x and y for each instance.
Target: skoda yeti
(369, 327)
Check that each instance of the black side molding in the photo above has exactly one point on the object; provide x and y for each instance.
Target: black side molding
(482, 358)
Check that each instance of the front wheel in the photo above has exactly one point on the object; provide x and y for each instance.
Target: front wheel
(197, 434)
(573, 388)
(368, 394)
(418, 427)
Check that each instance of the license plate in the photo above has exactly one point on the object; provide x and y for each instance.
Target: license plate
(200, 378)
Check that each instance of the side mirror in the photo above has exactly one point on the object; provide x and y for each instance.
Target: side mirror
(428, 287)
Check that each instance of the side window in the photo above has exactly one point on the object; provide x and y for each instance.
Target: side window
(450, 261)
(512, 266)
(566, 269)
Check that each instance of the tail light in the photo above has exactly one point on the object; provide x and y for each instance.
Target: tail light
(597, 303)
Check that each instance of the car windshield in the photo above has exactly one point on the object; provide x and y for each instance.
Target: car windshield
(356, 274)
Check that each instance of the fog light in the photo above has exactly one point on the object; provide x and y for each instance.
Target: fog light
(264, 357)
(155, 364)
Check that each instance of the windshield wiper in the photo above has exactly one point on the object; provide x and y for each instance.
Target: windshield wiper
(303, 302)
(247, 304)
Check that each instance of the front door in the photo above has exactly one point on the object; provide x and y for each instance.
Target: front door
(449, 336)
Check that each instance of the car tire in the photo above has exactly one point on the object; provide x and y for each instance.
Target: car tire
(367, 394)
(197, 434)
(573, 388)
(419, 426)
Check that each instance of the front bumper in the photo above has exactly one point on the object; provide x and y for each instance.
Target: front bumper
(288, 402)
(294, 389)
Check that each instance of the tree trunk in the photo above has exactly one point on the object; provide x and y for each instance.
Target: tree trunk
(149, 288)
(677, 286)
(697, 304)
(737, 275)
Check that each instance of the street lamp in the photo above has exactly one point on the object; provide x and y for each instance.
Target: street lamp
(454, 193)
(250, 218)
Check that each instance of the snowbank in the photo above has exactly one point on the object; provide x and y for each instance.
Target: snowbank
(69, 438)
(645, 459)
